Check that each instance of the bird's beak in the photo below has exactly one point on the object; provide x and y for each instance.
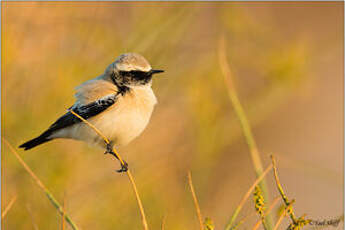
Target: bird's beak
(154, 71)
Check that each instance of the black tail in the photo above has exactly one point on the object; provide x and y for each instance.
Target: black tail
(36, 141)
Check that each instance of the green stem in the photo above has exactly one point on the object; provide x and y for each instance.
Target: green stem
(247, 132)
(50, 196)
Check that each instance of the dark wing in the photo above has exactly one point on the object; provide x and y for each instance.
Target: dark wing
(85, 111)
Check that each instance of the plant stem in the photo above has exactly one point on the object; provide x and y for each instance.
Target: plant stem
(245, 198)
(129, 174)
(282, 193)
(196, 203)
(254, 153)
(8, 207)
(50, 196)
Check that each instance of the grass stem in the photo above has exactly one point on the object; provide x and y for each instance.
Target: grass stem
(129, 174)
(64, 212)
(246, 196)
(163, 223)
(282, 217)
(247, 132)
(196, 203)
(50, 196)
(8, 207)
(287, 203)
(275, 201)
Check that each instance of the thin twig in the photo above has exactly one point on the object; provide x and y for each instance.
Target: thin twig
(50, 196)
(106, 140)
(8, 207)
(141, 208)
(64, 211)
(163, 222)
(281, 191)
(281, 217)
(196, 203)
(238, 108)
(275, 201)
(247, 132)
(34, 224)
(279, 221)
(242, 221)
(246, 196)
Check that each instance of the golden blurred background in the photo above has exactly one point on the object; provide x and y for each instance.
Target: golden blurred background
(288, 64)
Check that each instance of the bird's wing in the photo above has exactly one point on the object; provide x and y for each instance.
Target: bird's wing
(85, 111)
(94, 89)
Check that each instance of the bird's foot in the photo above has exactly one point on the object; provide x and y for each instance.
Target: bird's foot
(124, 167)
(109, 149)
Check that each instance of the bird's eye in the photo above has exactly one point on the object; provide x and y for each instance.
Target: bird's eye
(136, 74)
(139, 74)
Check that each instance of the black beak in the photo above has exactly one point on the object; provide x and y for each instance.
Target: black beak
(154, 71)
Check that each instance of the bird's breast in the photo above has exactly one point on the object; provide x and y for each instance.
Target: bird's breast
(128, 117)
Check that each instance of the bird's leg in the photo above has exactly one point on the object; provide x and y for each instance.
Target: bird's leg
(124, 167)
(109, 149)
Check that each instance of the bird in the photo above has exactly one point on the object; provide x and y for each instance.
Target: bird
(119, 103)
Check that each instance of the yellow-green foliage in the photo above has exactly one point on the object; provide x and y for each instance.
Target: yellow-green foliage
(300, 223)
(209, 225)
(259, 201)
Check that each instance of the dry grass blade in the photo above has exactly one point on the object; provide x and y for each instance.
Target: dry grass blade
(163, 223)
(246, 196)
(99, 133)
(8, 207)
(141, 207)
(131, 179)
(279, 221)
(282, 193)
(238, 108)
(40, 184)
(275, 201)
(242, 221)
(196, 203)
(64, 211)
(247, 132)
(281, 217)
(34, 224)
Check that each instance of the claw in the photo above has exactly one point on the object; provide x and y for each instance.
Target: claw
(124, 167)
(109, 148)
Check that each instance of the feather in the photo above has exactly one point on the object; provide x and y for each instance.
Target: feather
(85, 111)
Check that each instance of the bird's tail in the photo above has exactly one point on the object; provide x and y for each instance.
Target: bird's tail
(44, 137)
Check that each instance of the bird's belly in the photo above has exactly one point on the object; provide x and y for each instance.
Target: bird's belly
(125, 120)
(122, 128)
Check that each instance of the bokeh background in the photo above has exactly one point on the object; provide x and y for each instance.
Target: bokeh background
(287, 60)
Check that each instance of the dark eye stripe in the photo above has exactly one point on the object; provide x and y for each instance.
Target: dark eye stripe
(135, 74)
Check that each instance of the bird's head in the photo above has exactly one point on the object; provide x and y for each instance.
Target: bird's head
(131, 69)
